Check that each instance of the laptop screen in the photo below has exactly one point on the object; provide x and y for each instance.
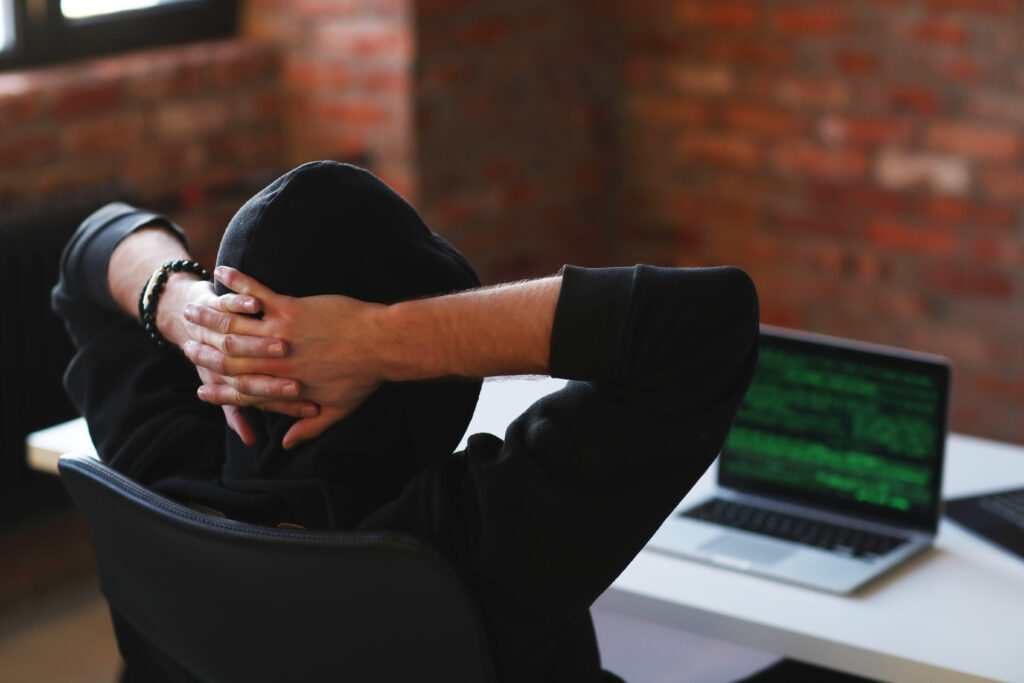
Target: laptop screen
(849, 426)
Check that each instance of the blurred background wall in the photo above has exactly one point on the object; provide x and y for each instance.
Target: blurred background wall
(861, 159)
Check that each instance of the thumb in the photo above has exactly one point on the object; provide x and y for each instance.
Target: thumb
(239, 425)
(309, 428)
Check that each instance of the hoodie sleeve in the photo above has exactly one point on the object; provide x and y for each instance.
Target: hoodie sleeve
(138, 400)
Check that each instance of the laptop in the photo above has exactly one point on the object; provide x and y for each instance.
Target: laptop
(832, 472)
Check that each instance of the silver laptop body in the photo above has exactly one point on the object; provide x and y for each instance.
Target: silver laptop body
(847, 435)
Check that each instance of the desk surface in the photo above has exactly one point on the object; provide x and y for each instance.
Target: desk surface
(951, 614)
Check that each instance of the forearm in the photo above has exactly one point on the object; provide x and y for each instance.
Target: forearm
(134, 261)
(503, 330)
(131, 265)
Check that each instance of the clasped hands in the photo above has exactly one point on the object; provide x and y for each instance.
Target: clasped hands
(311, 357)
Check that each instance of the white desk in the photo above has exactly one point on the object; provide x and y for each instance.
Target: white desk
(952, 614)
(955, 613)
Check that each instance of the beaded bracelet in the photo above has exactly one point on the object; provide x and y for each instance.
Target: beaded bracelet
(150, 296)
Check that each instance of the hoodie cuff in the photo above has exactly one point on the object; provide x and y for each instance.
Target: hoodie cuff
(86, 259)
(589, 322)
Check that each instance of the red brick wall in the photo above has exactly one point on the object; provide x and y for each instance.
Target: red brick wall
(861, 159)
(515, 123)
(177, 127)
(347, 70)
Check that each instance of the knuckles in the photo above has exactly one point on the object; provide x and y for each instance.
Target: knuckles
(243, 385)
(215, 361)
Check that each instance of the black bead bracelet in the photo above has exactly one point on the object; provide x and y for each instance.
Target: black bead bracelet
(150, 296)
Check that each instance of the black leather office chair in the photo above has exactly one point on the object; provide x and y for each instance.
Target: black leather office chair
(234, 602)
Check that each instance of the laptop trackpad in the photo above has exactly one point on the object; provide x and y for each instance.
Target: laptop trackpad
(746, 549)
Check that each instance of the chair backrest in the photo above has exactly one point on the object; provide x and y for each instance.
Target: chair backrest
(234, 602)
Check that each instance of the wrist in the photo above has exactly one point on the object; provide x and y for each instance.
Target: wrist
(393, 343)
(170, 312)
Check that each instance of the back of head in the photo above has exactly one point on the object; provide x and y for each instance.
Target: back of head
(331, 228)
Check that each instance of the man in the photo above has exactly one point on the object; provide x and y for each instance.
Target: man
(351, 344)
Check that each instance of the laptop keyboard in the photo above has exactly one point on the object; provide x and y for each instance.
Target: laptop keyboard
(832, 537)
(1007, 506)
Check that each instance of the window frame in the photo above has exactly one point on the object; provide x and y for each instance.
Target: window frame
(42, 35)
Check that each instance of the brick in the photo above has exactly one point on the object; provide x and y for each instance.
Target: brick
(984, 142)
(448, 213)
(706, 80)
(997, 251)
(24, 149)
(368, 38)
(16, 109)
(970, 213)
(246, 150)
(329, 9)
(726, 150)
(912, 98)
(648, 39)
(755, 188)
(86, 98)
(176, 80)
(1004, 184)
(17, 84)
(897, 169)
(717, 15)
(310, 74)
(781, 314)
(961, 70)
(518, 194)
(861, 198)
(99, 136)
(978, 6)
(869, 130)
(501, 168)
(348, 145)
(810, 22)
(194, 119)
(384, 79)
(484, 33)
(976, 281)
(445, 73)
(432, 9)
(161, 167)
(259, 107)
(768, 120)
(244, 67)
(999, 106)
(63, 175)
(855, 62)
(352, 111)
(1001, 387)
(670, 110)
(698, 211)
(744, 52)
(803, 222)
(896, 235)
(869, 266)
(812, 93)
(542, 21)
(942, 31)
(820, 162)
(639, 72)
